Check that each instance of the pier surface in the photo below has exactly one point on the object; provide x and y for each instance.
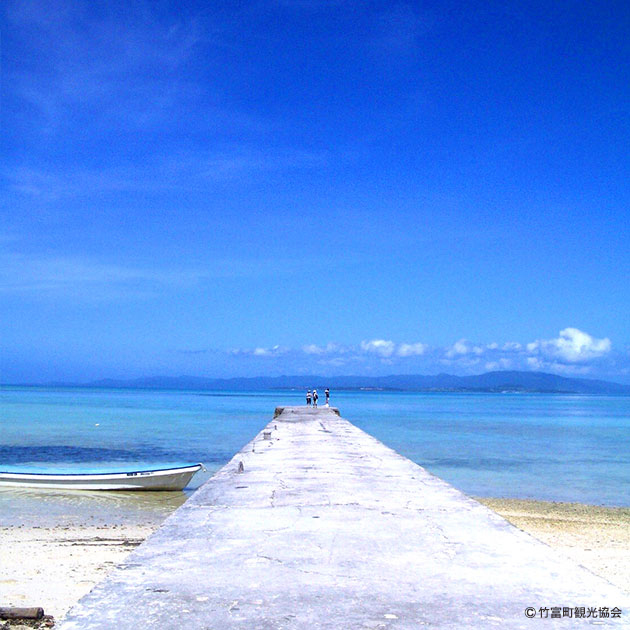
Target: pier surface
(325, 527)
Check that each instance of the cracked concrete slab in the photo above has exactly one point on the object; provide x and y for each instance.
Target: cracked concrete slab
(324, 527)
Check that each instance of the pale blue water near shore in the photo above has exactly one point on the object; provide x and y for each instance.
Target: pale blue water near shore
(543, 446)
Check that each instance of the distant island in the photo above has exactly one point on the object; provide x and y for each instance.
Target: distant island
(504, 381)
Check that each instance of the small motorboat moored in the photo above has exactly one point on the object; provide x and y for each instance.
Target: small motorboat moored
(160, 479)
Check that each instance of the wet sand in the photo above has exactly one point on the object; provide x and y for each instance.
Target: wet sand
(53, 567)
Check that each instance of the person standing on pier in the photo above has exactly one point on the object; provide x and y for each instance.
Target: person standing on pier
(308, 398)
(315, 397)
(327, 392)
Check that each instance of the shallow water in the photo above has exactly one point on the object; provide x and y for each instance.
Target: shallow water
(544, 446)
(49, 508)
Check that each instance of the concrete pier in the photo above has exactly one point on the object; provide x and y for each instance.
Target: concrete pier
(317, 525)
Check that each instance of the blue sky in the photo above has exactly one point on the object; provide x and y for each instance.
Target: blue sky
(245, 188)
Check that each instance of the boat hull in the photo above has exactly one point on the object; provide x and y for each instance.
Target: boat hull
(163, 479)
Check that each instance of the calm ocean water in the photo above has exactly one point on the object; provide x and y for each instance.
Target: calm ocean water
(543, 446)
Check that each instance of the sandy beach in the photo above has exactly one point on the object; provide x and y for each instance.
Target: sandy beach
(596, 537)
(53, 567)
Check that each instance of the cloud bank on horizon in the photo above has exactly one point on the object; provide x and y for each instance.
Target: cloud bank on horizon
(572, 353)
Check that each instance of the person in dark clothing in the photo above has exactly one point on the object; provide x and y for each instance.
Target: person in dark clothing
(327, 392)
(315, 397)
(308, 398)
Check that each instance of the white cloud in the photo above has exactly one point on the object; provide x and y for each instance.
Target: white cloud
(260, 351)
(22, 273)
(381, 347)
(411, 349)
(573, 352)
(86, 278)
(266, 352)
(329, 348)
(459, 347)
(511, 346)
(83, 65)
(501, 364)
(313, 349)
(571, 346)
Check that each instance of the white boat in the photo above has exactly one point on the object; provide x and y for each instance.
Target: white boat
(161, 479)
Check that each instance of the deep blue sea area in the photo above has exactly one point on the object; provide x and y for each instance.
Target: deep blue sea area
(543, 446)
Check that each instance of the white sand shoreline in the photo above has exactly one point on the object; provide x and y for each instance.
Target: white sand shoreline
(53, 567)
(595, 537)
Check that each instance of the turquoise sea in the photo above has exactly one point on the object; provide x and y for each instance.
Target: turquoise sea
(543, 446)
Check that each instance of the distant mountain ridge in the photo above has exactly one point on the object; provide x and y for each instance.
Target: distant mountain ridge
(510, 381)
